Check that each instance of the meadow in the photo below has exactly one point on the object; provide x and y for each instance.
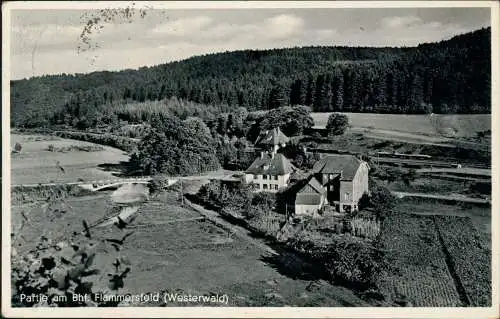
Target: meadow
(425, 125)
(37, 164)
(171, 251)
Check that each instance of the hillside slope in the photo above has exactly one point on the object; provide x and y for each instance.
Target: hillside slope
(451, 76)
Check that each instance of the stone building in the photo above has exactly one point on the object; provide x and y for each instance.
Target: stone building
(345, 178)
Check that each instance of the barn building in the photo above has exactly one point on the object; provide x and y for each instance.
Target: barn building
(345, 178)
(311, 198)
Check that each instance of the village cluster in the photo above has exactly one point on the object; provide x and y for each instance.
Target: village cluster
(336, 180)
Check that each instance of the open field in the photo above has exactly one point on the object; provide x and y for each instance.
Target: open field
(35, 164)
(172, 250)
(435, 261)
(469, 257)
(480, 216)
(435, 125)
(418, 273)
(425, 129)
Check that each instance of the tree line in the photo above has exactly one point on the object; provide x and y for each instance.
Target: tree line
(450, 76)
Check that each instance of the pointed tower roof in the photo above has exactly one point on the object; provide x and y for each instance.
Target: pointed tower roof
(272, 137)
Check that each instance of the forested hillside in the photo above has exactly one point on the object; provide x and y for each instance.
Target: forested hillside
(451, 76)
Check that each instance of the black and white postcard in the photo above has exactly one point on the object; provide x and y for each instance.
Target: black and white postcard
(250, 159)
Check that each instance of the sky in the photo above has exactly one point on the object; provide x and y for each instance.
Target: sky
(48, 41)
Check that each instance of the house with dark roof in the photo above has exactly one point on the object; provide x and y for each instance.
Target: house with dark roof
(271, 140)
(269, 172)
(345, 178)
(311, 198)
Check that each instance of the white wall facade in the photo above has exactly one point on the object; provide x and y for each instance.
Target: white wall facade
(310, 210)
(272, 183)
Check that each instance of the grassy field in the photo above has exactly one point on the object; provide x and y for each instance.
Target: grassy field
(197, 257)
(170, 251)
(35, 164)
(405, 126)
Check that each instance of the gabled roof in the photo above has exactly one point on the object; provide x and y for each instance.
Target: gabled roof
(310, 193)
(307, 199)
(346, 165)
(272, 137)
(267, 165)
(312, 187)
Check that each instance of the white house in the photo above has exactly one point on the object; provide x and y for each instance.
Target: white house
(269, 172)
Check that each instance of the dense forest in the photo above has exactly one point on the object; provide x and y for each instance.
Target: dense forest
(451, 76)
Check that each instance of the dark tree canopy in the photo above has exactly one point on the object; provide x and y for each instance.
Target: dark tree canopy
(291, 120)
(176, 147)
(337, 124)
(446, 77)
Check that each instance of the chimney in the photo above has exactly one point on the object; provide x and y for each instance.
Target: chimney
(261, 154)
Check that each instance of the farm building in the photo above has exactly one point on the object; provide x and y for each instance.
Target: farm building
(311, 198)
(269, 172)
(345, 178)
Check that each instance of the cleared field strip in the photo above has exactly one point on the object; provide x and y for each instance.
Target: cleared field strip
(469, 257)
(430, 125)
(100, 182)
(168, 222)
(417, 272)
(457, 198)
(464, 171)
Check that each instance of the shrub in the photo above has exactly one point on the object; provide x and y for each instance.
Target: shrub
(347, 259)
(264, 199)
(266, 222)
(380, 200)
(18, 147)
(337, 124)
(157, 184)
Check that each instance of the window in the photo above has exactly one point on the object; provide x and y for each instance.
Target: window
(264, 186)
(275, 177)
(255, 176)
(346, 196)
(276, 187)
(264, 176)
